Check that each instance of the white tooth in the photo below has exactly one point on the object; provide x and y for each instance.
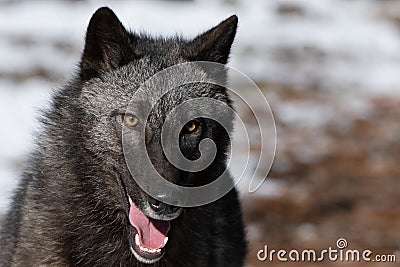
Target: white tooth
(143, 248)
(130, 200)
(165, 241)
(137, 240)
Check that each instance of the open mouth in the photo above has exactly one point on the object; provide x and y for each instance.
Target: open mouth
(148, 236)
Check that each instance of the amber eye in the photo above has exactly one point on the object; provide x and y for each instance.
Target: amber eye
(131, 120)
(191, 127)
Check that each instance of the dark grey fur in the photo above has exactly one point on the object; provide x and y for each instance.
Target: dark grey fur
(67, 210)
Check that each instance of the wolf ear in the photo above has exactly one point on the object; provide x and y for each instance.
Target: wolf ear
(107, 45)
(215, 44)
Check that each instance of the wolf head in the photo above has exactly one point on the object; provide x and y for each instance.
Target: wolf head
(114, 64)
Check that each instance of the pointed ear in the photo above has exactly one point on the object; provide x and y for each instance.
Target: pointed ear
(107, 45)
(215, 44)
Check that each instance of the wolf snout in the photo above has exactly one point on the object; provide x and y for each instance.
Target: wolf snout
(168, 212)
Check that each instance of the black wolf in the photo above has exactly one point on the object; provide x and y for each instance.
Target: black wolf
(77, 203)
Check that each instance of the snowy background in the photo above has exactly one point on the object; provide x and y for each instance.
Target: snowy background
(329, 69)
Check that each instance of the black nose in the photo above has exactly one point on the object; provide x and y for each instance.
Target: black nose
(162, 208)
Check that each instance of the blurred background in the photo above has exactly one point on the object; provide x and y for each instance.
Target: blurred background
(330, 70)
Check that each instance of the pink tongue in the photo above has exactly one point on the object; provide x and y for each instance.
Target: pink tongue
(151, 232)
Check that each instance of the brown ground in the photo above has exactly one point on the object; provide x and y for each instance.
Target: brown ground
(350, 190)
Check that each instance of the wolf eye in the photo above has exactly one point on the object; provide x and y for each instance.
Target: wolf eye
(131, 120)
(191, 127)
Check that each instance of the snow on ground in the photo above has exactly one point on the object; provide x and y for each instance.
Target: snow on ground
(338, 43)
(342, 46)
(19, 104)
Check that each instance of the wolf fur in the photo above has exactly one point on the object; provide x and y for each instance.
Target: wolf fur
(67, 209)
